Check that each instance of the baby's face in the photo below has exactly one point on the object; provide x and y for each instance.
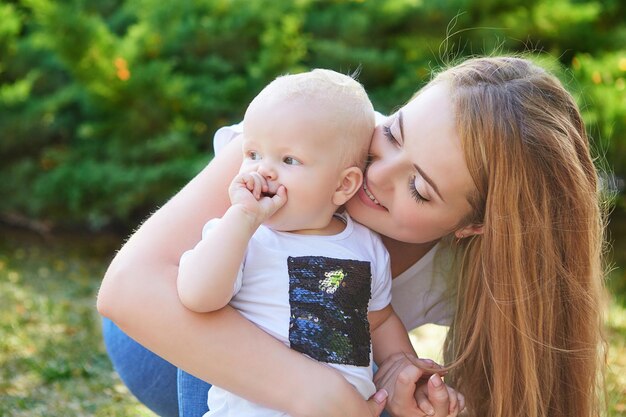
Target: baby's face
(291, 146)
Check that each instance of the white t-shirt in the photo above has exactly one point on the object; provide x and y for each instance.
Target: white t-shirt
(313, 293)
(421, 294)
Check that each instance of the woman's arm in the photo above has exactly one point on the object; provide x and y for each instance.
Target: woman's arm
(139, 293)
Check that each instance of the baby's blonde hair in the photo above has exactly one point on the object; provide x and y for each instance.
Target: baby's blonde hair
(338, 98)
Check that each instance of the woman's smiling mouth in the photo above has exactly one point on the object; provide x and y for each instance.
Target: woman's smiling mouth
(368, 199)
(369, 194)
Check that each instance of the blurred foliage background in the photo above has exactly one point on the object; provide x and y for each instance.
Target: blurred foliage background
(108, 107)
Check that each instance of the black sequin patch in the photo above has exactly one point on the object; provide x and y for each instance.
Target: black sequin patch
(329, 299)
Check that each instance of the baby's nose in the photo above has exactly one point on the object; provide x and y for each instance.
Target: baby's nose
(267, 171)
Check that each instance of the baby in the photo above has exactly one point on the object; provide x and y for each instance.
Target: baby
(281, 254)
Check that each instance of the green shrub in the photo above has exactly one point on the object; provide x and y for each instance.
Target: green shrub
(108, 107)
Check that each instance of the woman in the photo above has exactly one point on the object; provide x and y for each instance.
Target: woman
(492, 153)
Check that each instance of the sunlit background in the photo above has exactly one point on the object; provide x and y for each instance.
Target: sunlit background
(108, 107)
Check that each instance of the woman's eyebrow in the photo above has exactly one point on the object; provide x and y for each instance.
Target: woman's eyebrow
(418, 169)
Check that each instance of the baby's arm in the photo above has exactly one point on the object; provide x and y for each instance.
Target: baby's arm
(388, 335)
(207, 273)
(390, 339)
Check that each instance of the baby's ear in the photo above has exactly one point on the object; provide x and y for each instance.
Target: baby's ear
(350, 180)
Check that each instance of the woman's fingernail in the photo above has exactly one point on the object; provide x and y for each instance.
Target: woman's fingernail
(436, 380)
(381, 395)
(429, 410)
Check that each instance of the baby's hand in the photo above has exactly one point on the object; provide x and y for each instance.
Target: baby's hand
(251, 191)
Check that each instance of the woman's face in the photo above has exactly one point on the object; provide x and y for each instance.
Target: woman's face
(417, 185)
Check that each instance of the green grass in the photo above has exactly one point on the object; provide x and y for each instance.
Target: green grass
(616, 315)
(52, 359)
(616, 372)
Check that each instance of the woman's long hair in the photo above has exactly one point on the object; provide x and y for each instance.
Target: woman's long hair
(527, 336)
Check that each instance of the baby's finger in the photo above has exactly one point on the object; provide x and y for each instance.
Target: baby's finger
(271, 205)
(280, 198)
(258, 182)
(249, 182)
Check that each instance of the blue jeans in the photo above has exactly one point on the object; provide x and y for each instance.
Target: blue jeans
(159, 385)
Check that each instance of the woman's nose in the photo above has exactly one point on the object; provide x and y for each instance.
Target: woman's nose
(383, 172)
(382, 148)
(386, 164)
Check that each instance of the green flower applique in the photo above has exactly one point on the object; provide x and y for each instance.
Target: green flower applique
(332, 281)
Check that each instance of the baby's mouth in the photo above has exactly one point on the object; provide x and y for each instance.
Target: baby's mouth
(272, 190)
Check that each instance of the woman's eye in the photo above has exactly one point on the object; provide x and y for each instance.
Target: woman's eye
(389, 135)
(291, 161)
(414, 193)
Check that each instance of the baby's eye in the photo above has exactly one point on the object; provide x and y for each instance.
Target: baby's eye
(253, 155)
(291, 161)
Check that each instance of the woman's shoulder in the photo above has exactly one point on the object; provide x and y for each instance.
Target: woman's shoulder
(225, 134)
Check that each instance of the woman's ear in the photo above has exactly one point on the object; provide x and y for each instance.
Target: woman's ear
(469, 230)
(350, 180)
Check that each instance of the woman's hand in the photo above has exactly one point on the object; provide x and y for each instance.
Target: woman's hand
(377, 402)
(415, 390)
